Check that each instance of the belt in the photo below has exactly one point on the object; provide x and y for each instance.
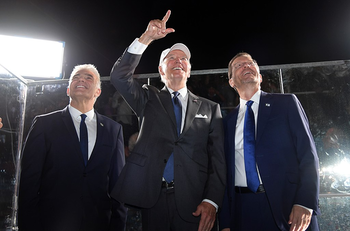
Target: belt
(247, 190)
(167, 185)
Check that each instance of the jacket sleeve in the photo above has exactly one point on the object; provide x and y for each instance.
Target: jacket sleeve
(119, 211)
(32, 162)
(123, 79)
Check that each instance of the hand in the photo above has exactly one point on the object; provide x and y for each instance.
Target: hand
(299, 218)
(208, 214)
(156, 29)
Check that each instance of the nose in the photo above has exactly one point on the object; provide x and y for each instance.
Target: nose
(246, 64)
(178, 60)
(81, 79)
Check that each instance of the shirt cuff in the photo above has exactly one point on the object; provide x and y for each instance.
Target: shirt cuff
(212, 203)
(136, 47)
(310, 210)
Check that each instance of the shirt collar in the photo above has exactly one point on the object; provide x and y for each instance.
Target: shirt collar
(182, 91)
(255, 98)
(75, 113)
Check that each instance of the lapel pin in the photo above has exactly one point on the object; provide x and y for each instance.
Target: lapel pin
(267, 105)
(101, 124)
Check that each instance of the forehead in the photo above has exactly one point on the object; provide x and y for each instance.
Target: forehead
(85, 72)
(176, 52)
(242, 58)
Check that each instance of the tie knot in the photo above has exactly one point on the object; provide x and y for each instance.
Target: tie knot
(176, 93)
(249, 103)
(83, 117)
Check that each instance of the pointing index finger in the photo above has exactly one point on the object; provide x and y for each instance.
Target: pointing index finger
(166, 17)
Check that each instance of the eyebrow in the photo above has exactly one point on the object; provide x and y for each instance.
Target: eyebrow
(78, 74)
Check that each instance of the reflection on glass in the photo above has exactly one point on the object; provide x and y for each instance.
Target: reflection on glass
(323, 89)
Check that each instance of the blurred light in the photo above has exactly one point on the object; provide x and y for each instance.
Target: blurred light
(32, 57)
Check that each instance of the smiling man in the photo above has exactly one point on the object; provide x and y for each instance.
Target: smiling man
(176, 172)
(279, 189)
(71, 161)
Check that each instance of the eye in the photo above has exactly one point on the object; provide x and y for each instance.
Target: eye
(238, 65)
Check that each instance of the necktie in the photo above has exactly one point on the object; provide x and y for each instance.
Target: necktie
(84, 138)
(249, 148)
(169, 168)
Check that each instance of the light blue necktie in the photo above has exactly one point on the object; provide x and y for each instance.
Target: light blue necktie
(84, 138)
(249, 149)
(169, 168)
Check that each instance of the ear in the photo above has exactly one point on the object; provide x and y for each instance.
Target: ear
(97, 92)
(260, 77)
(67, 91)
(230, 81)
(160, 70)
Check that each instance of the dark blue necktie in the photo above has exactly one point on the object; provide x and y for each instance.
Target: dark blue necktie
(249, 149)
(169, 168)
(84, 138)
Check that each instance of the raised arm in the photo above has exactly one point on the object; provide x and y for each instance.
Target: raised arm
(156, 29)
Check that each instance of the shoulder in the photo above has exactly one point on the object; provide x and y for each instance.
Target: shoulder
(106, 120)
(52, 115)
(279, 97)
(194, 97)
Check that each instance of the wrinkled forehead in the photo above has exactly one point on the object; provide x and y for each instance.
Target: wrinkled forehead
(245, 57)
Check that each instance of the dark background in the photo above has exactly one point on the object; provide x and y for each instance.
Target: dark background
(274, 32)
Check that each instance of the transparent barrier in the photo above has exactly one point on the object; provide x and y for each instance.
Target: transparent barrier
(323, 89)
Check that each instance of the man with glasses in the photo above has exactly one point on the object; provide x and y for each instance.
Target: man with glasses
(273, 178)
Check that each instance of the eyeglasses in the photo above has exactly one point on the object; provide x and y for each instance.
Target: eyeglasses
(239, 65)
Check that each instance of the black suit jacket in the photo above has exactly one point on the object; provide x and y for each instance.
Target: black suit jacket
(199, 161)
(57, 191)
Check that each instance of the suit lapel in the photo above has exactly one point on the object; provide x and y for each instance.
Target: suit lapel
(193, 105)
(68, 122)
(166, 102)
(265, 106)
(99, 136)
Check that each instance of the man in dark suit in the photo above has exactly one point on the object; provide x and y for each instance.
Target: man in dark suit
(60, 188)
(190, 198)
(286, 162)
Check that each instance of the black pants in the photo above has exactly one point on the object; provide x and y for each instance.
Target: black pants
(164, 215)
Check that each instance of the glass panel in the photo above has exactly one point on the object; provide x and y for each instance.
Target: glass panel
(322, 88)
(324, 92)
(12, 103)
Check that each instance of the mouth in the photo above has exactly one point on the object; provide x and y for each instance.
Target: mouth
(80, 86)
(248, 73)
(177, 68)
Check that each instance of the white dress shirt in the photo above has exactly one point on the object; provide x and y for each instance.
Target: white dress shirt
(240, 175)
(91, 124)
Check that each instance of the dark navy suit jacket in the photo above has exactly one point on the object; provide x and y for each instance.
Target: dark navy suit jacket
(57, 191)
(285, 154)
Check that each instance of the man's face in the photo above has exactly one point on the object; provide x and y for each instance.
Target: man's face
(245, 72)
(175, 67)
(84, 85)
